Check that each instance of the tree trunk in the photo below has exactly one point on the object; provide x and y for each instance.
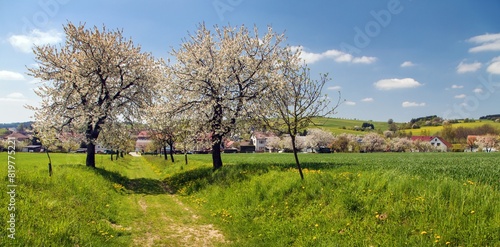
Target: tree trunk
(216, 151)
(90, 162)
(111, 155)
(121, 154)
(165, 151)
(171, 151)
(50, 162)
(296, 156)
(185, 157)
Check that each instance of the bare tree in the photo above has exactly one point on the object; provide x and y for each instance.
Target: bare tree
(219, 73)
(293, 106)
(96, 77)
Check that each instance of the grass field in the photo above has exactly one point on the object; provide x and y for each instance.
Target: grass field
(380, 199)
(339, 126)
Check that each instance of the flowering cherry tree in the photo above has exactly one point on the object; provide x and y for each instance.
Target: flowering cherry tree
(320, 138)
(218, 74)
(373, 142)
(400, 144)
(487, 142)
(97, 76)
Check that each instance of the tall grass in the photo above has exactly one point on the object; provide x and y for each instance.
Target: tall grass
(74, 207)
(352, 200)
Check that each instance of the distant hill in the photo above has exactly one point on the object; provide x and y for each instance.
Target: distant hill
(340, 125)
(432, 130)
(491, 117)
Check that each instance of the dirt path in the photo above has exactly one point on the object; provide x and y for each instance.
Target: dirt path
(164, 220)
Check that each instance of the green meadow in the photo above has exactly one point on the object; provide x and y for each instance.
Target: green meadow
(377, 199)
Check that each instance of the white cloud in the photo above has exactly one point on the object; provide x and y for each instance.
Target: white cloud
(388, 84)
(364, 59)
(477, 90)
(13, 97)
(486, 42)
(407, 64)
(460, 96)
(10, 76)
(336, 88)
(36, 37)
(367, 100)
(457, 86)
(468, 67)
(336, 55)
(494, 67)
(351, 103)
(412, 104)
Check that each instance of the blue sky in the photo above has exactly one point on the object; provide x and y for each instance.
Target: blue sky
(390, 59)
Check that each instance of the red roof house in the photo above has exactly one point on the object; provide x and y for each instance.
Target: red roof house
(436, 141)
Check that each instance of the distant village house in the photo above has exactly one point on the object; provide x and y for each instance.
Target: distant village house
(436, 141)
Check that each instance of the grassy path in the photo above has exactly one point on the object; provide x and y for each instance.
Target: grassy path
(158, 218)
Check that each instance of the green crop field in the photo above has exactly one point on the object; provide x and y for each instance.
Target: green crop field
(377, 199)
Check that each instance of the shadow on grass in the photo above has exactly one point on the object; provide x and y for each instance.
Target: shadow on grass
(197, 179)
(194, 180)
(136, 185)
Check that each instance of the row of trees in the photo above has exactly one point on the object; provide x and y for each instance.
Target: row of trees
(371, 142)
(98, 83)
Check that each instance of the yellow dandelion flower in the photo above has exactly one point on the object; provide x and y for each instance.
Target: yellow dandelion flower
(382, 216)
(472, 212)
(447, 243)
(423, 233)
(316, 225)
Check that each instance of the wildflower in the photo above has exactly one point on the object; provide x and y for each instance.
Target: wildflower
(447, 243)
(472, 212)
(316, 225)
(423, 233)
(382, 216)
